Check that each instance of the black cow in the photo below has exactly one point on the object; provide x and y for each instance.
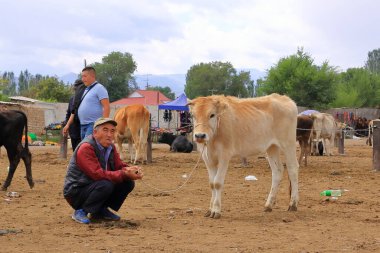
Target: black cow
(12, 124)
(177, 143)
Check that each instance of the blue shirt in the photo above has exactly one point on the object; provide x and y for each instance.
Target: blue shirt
(105, 151)
(91, 109)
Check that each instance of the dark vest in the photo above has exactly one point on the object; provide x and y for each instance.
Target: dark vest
(75, 177)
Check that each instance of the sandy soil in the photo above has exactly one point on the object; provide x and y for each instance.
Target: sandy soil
(153, 221)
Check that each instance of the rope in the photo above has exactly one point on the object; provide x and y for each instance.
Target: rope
(179, 187)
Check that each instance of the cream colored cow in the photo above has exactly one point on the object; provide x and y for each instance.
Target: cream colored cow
(228, 126)
(324, 128)
(133, 125)
(370, 133)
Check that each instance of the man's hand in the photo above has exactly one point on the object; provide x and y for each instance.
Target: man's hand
(66, 130)
(133, 172)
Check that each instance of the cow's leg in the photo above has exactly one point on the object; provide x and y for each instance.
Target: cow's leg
(216, 180)
(119, 141)
(131, 150)
(302, 152)
(292, 167)
(217, 188)
(277, 170)
(27, 158)
(331, 145)
(14, 159)
(211, 175)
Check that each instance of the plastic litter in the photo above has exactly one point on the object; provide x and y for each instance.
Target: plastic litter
(250, 178)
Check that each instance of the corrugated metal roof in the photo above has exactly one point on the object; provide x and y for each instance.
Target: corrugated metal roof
(147, 97)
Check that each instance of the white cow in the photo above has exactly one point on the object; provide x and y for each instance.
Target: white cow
(370, 133)
(325, 129)
(228, 126)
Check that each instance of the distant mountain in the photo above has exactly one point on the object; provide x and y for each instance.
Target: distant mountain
(69, 78)
(176, 82)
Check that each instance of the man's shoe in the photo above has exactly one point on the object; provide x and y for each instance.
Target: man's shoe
(80, 216)
(106, 215)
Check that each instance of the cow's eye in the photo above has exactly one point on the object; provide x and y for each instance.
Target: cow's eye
(212, 116)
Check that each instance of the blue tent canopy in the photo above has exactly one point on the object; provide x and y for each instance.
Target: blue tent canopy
(179, 104)
(308, 112)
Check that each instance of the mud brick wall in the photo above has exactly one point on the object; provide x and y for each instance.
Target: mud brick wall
(36, 116)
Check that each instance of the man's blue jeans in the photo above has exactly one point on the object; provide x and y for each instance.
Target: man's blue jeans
(86, 130)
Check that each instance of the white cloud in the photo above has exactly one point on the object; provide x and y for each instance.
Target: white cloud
(168, 36)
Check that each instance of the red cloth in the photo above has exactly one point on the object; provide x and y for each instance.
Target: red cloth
(90, 165)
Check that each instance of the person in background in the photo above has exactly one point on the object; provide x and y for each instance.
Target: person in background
(93, 104)
(96, 178)
(74, 127)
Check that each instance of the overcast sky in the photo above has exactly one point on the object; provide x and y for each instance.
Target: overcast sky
(52, 37)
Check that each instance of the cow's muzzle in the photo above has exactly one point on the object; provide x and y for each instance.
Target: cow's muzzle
(200, 137)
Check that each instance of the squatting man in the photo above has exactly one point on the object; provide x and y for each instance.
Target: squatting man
(97, 180)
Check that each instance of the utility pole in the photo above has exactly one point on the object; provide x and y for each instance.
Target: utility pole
(212, 91)
(85, 63)
(147, 81)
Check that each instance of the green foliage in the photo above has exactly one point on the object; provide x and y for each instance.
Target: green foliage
(298, 77)
(164, 90)
(373, 61)
(205, 79)
(115, 73)
(9, 83)
(51, 90)
(23, 81)
(358, 87)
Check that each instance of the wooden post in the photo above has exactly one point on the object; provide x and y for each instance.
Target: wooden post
(376, 145)
(149, 146)
(63, 142)
(341, 143)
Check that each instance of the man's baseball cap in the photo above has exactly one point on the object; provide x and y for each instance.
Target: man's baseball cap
(102, 121)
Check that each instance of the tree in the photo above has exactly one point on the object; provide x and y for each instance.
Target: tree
(9, 83)
(23, 82)
(206, 79)
(115, 73)
(52, 90)
(358, 87)
(298, 77)
(164, 90)
(373, 61)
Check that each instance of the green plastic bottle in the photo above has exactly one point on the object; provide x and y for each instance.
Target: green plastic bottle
(332, 193)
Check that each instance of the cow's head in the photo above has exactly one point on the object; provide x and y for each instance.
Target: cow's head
(206, 112)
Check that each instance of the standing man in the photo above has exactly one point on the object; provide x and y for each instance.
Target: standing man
(74, 127)
(93, 104)
(96, 178)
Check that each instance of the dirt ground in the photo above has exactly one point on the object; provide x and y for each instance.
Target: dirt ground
(39, 220)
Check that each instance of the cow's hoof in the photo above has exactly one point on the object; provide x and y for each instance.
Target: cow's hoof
(3, 188)
(215, 215)
(292, 208)
(268, 209)
(31, 185)
(207, 214)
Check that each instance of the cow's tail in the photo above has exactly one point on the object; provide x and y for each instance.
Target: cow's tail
(26, 130)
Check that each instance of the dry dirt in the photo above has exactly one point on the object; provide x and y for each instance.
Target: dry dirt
(152, 221)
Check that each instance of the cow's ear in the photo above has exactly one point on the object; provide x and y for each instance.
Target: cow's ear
(189, 102)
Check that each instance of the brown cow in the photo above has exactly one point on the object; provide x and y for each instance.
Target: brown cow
(133, 125)
(304, 126)
(228, 126)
